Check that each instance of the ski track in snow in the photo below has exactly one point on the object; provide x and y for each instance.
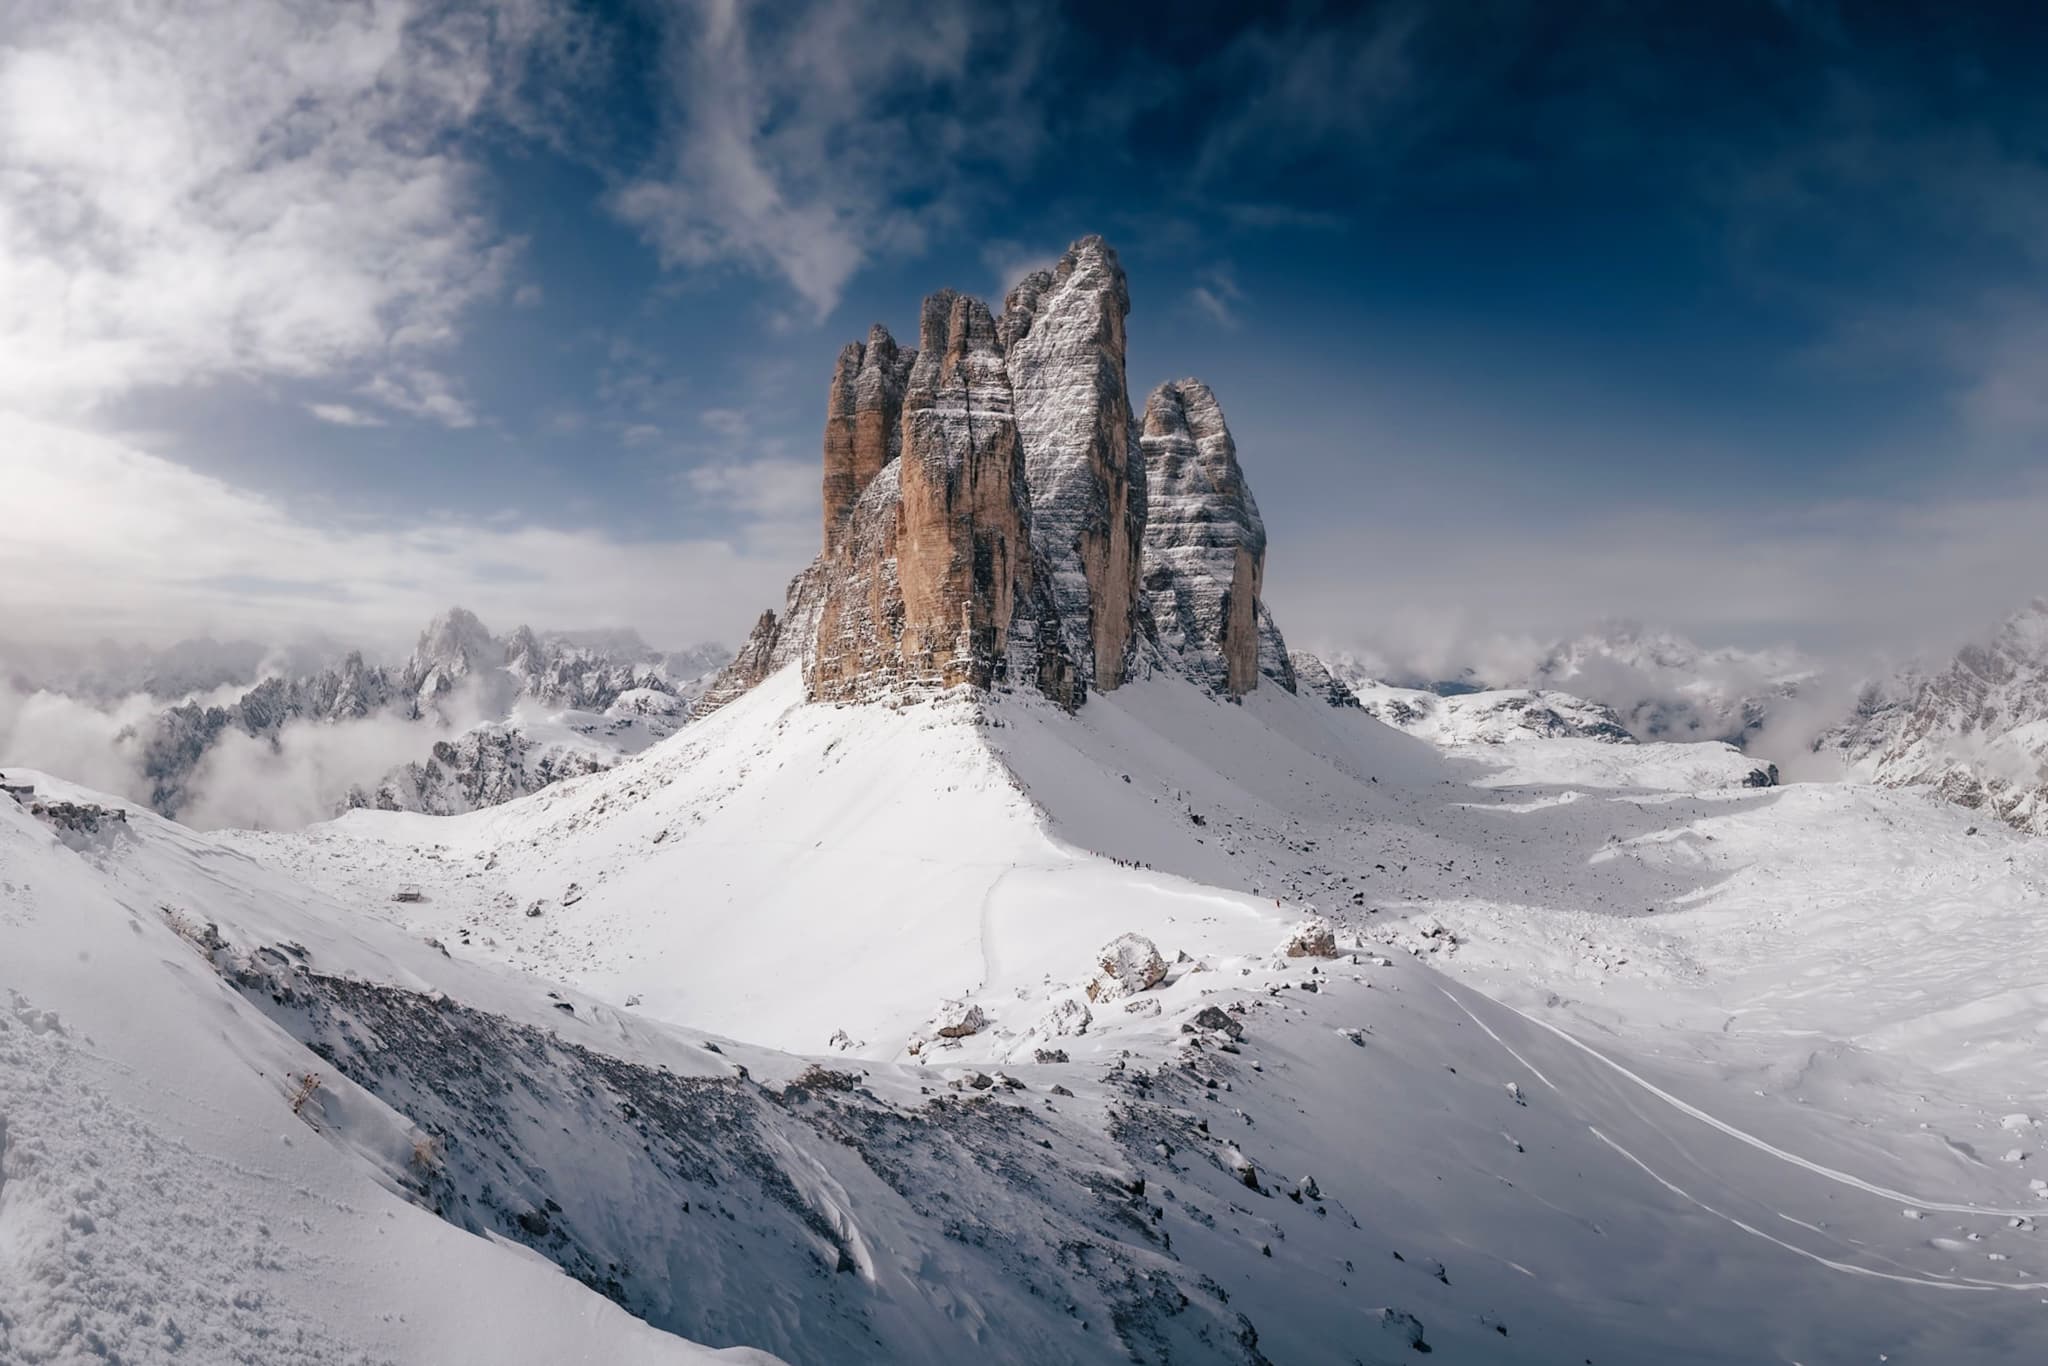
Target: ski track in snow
(1848, 1268)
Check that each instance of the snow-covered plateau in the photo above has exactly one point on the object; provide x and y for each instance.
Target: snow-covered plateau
(792, 1034)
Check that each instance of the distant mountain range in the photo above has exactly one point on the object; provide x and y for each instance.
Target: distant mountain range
(497, 717)
(1656, 684)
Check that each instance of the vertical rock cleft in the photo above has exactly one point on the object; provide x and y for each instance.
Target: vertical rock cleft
(1205, 546)
(863, 421)
(1063, 336)
(936, 557)
(993, 516)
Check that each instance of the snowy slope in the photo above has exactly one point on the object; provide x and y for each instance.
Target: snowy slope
(159, 1199)
(1811, 1013)
(1462, 1169)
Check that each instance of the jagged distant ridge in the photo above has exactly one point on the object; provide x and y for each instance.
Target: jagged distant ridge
(459, 676)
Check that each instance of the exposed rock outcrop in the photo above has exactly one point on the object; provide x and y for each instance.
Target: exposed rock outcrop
(775, 642)
(1063, 337)
(928, 573)
(1205, 546)
(863, 423)
(986, 514)
(1313, 677)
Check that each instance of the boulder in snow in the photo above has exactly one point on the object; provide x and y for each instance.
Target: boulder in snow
(1314, 939)
(1130, 963)
(956, 1020)
(1403, 1326)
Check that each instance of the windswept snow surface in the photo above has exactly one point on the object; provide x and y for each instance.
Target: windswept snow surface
(1620, 1061)
(160, 1201)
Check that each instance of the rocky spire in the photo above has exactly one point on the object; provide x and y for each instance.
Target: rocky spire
(986, 510)
(1063, 336)
(1204, 545)
(863, 421)
(935, 557)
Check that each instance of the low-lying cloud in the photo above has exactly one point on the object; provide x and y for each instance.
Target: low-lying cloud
(106, 540)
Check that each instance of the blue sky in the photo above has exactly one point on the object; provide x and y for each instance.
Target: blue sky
(1731, 317)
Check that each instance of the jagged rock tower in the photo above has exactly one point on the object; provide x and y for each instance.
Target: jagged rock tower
(863, 421)
(1063, 339)
(987, 520)
(1205, 547)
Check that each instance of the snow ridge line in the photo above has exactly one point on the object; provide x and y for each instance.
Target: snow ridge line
(1741, 1136)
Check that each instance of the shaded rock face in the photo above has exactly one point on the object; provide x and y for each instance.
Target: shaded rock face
(1063, 337)
(936, 557)
(1204, 546)
(1313, 677)
(863, 421)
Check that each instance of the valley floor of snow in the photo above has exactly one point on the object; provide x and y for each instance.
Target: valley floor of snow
(780, 1037)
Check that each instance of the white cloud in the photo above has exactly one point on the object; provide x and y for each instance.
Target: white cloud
(805, 141)
(770, 489)
(1012, 261)
(1217, 295)
(275, 187)
(1847, 581)
(342, 415)
(731, 423)
(423, 393)
(105, 540)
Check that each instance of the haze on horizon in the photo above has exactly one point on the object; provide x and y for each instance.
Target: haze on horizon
(315, 319)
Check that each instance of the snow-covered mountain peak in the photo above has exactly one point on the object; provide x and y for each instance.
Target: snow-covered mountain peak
(1974, 729)
(454, 646)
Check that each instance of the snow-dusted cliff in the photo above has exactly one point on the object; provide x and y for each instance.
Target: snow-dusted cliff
(1975, 729)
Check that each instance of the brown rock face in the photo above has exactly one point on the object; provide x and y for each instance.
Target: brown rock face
(1063, 336)
(991, 517)
(936, 557)
(863, 421)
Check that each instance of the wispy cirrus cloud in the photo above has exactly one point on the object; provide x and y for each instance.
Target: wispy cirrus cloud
(344, 415)
(803, 141)
(1217, 295)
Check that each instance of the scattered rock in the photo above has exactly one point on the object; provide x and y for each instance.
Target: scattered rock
(817, 1077)
(1211, 1018)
